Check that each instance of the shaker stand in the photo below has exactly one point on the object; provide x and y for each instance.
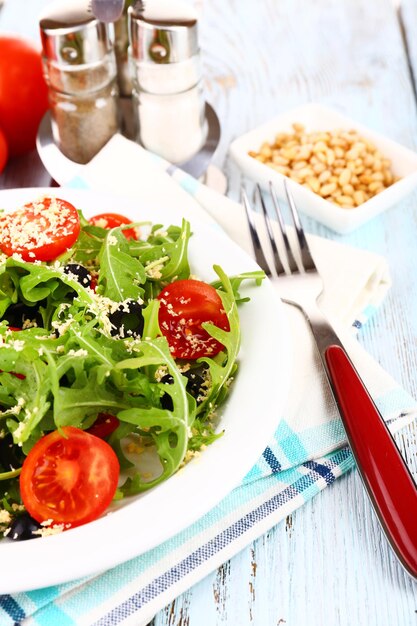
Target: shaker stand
(63, 170)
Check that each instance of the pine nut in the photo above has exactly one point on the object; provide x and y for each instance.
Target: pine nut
(375, 186)
(325, 175)
(345, 177)
(359, 197)
(313, 183)
(326, 190)
(348, 190)
(339, 165)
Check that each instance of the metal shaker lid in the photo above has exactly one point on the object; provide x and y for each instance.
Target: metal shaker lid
(71, 35)
(163, 31)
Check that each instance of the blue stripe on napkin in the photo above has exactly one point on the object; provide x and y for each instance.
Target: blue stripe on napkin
(9, 605)
(271, 459)
(260, 500)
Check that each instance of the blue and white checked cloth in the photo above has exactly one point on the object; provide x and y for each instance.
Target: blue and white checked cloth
(305, 455)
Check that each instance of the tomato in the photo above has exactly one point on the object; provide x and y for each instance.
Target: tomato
(4, 151)
(40, 230)
(185, 305)
(69, 478)
(23, 93)
(104, 425)
(113, 220)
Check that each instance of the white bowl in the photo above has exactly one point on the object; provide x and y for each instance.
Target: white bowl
(317, 117)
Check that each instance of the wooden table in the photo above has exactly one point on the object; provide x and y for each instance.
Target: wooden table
(328, 564)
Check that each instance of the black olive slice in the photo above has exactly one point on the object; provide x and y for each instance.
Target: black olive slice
(82, 274)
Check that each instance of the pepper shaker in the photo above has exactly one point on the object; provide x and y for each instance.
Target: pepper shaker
(80, 70)
(164, 58)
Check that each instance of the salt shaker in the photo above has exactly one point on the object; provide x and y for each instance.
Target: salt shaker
(167, 81)
(80, 70)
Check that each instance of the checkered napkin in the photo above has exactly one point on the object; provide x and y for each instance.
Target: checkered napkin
(306, 454)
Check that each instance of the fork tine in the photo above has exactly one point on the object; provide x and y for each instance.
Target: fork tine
(257, 248)
(307, 260)
(290, 257)
(280, 269)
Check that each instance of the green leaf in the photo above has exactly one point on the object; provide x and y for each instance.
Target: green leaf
(37, 282)
(151, 326)
(87, 248)
(73, 405)
(30, 394)
(120, 274)
(235, 281)
(165, 258)
(11, 474)
(222, 366)
(169, 429)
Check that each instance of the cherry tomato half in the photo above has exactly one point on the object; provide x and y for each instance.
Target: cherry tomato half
(185, 305)
(104, 425)
(113, 220)
(40, 230)
(23, 93)
(70, 478)
(4, 151)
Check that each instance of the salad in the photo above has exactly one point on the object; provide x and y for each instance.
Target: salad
(111, 352)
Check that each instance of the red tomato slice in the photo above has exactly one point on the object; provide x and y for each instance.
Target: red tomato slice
(185, 305)
(104, 425)
(69, 478)
(113, 220)
(40, 231)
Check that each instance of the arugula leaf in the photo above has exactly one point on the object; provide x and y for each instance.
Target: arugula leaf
(235, 281)
(166, 258)
(87, 248)
(8, 289)
(169, 429)
(120, 273)
(222, 366)
(30, 393)
(73, 405)
(37, 282)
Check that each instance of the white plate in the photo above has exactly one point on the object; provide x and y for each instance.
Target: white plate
(317, 117)
(249, 419)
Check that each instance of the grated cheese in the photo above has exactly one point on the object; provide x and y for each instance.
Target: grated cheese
(19, 230)
(5, 517)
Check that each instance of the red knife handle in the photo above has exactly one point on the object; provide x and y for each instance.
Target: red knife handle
(387, 479)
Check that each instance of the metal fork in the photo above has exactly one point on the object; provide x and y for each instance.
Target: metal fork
(387, 480)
